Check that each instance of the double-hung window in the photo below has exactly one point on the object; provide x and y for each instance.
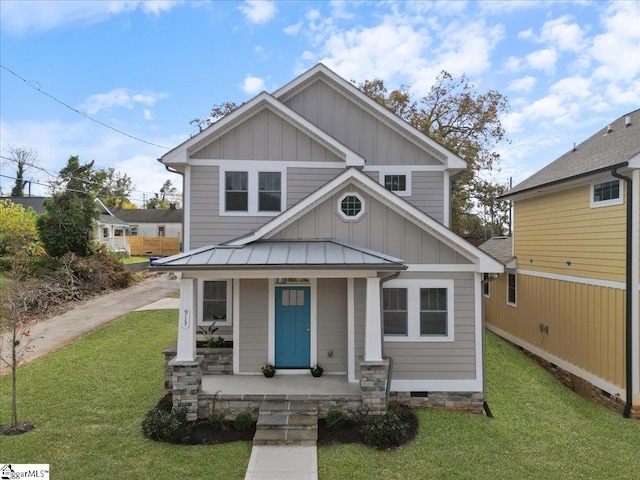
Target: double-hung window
(418, 311)
(215, 301)
(608, 193)
(251, 192)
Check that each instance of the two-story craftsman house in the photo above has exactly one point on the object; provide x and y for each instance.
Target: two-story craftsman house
(316, 232)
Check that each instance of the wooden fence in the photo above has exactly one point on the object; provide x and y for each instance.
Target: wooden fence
(154, 245)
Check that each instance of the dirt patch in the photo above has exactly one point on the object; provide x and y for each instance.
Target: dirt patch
(17, 429)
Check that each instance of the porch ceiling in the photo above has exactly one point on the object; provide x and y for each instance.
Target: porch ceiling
(331, 254)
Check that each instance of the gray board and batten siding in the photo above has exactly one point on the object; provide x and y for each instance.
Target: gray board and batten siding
(332, 324)
(356, 127)
(266, 136)
(254, 325)
(380, 229)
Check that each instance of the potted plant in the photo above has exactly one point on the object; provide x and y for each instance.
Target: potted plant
(316, 370)
(268, 370)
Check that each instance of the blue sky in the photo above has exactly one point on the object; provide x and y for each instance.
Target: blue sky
(147, 68)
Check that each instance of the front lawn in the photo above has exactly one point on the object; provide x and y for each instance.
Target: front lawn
(134, 259)
(88, 401)
(540, 430)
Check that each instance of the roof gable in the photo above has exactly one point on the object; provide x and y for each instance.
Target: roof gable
(182, 153)
(321, 72)
(614, 145)
(354, 177)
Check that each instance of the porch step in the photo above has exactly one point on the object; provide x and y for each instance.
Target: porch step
(287, 423)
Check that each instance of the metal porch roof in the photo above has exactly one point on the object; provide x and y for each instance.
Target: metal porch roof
(281, 254)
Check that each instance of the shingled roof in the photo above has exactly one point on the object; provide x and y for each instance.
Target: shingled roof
(613, 145)
(150, 215)
(500, 248)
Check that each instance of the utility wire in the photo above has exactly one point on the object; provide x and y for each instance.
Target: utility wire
(36, 86)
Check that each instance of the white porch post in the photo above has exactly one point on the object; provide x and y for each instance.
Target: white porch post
(373, 330)
(187, 321)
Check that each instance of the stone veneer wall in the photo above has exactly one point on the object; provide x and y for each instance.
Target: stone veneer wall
(460, 401)
(215, 361)
(231, 405)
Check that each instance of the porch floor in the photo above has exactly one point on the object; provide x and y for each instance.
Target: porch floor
(280, 385)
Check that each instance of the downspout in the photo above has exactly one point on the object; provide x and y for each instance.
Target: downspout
(485, 404)
(172, 170)
(387, 392)
(629, 293)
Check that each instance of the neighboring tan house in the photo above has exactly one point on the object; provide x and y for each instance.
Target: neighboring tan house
(150, 222)
(316, 232)
(573, 257)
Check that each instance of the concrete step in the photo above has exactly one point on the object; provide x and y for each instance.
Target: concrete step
(287, 423)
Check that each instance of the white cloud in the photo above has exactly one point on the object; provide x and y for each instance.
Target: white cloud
(563, 35)
(21, 17)
(147, 114)
(572, 87)
(293, 29)
(252, 85)
(513, 64)
(544, 60)
(259, 11)
(618, 48)
(120, 97)
(524, 84)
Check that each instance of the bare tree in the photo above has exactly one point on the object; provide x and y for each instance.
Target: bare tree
(23, 158)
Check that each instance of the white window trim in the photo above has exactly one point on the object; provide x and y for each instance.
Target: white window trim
(357, 217)
(607, 203)
(413, 287)
(219, 323)
(515, 279)
(486, 276)
(396, 170)
(252, 189)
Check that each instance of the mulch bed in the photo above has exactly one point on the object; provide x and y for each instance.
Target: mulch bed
(205, 433)
(17, 429)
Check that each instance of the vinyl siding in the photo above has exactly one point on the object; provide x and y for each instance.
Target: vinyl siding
(356, 127)
(561, 227)
(586, 322)
(332, 324)
(266, 136)
(253, 324)
(447, 360)
(380, 229)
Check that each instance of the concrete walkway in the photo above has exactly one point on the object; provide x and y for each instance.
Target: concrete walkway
(56, 332)
(282, 462)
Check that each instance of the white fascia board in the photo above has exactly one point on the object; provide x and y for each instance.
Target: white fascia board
(399, 205)
(634, 162)
(451, 160)
(181, 153)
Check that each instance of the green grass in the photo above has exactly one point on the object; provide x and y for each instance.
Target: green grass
(540, 430)
(88, 400)
(134, 259)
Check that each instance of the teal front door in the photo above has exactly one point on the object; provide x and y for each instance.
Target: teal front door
(293, 327)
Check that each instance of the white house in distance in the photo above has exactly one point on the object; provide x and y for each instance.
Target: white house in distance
(316, 232)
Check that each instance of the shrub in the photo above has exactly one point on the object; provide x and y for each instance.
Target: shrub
(167, 426)
(243, 421)
(384, 431)
(335, 418)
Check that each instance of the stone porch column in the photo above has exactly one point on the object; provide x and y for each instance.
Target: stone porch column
(187, 384)
(373, 323)
(373, 383)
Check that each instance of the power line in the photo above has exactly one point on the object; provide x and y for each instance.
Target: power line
(36, 86)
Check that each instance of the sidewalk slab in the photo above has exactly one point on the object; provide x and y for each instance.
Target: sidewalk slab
(164, 304)
(283, 462)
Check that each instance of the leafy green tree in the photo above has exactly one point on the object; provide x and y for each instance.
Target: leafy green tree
(113, 188)
(17, 228)
(69, 219)
(168, 196)
(463, 120)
